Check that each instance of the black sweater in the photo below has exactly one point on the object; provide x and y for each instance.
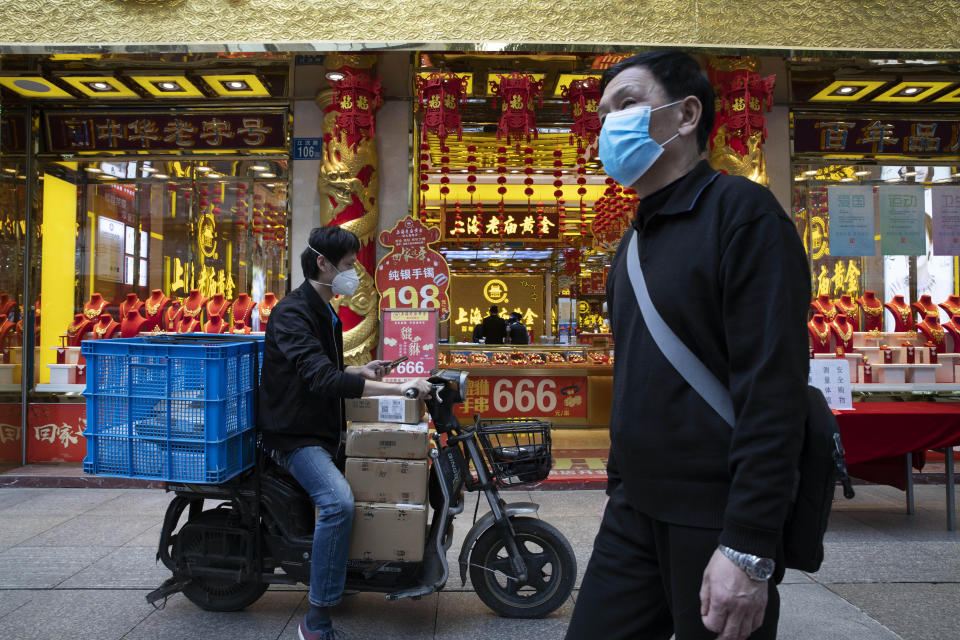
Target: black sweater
(726, 270)
(302, 383)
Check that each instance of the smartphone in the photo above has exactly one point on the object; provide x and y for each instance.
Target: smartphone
(393, 365)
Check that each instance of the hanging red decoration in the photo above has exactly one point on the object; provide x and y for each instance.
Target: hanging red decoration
(356, 98)
(742, 98)
(517, 93)
(583, 98)
(439, 96)
(458, 226)
(471, 170)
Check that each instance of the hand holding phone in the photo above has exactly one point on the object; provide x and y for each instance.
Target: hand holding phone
(393, 365)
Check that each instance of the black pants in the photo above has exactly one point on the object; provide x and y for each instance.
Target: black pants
(643, 581)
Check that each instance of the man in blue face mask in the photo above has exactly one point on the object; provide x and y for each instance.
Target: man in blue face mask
(690, 542)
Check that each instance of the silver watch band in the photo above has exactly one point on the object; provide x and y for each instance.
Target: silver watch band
(756, 568)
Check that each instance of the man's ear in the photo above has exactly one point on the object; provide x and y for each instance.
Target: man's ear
(690, 112)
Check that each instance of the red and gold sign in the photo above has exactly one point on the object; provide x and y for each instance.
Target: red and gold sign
(439, 96)
(539, 225)
(413, 275)
(473, 295)
(583, 98)
(356, 98)
(742, 98)
(525, 397)
(519, 96)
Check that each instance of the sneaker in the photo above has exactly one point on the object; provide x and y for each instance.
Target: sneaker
(329, 634)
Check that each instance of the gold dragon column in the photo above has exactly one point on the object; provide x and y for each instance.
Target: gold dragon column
(349, 186)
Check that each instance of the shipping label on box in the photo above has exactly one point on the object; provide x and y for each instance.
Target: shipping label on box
(384, 409)
(374, 480)
(387, 440)
(388, 532)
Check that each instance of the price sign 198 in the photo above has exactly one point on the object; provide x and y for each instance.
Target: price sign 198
(407, 297)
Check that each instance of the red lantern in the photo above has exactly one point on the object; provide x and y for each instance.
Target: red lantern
(356, 98)
(517, 93)
(583, 98)
(742, 98)
(439, 96)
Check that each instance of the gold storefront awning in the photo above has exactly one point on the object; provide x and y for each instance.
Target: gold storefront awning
(859, 25)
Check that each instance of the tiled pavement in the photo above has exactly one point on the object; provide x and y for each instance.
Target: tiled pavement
(76, 563)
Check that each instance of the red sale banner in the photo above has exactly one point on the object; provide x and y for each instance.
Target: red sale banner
(413, 275)
(525, 397)
(54, 432)
(410, 333)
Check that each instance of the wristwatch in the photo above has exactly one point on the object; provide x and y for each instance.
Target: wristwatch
(756, 568)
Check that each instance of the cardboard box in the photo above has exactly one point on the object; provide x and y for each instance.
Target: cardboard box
(393, 481)
(388, 532)
(385, 409)
(387, 440)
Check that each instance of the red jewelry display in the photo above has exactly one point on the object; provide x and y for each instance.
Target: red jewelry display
(172, 315)
(265, 308)
(192, 308)
(6, 303)
(872, 311)
(932, 330)
(825, 307)
(77, 329)
(849, 308)
(217, 305)
(243, 309)
(106, 327)
(951, 305)
(189, 324)
(130, 303)
(94, 307)
(926, 308)
(953, 330)
(239, 327)
(819, 330)
(215, 324)
(132, 324)
(842, 330)
(7, 331)
(902, 314)
(153, 308)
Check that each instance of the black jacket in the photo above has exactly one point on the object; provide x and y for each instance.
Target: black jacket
(302, 383)
(494, 329)
(518, 333)
(726, 270)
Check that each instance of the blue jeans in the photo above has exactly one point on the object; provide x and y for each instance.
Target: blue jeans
(314, 469)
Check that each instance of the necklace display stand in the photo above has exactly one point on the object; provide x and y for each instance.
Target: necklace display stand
(902, 314)
(849, 308)
(819, 330)
(825, 307)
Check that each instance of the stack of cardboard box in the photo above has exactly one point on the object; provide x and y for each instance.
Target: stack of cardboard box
(387, 468)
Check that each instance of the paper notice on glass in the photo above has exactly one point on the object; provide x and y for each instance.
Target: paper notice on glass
(851, 221)
(946, 220)
(901, 221)
(832, 377)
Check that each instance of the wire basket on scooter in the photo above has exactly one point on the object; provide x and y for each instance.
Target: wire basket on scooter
(518, 450)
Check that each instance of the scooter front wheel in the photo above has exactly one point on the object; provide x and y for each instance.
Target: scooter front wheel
(551, 570)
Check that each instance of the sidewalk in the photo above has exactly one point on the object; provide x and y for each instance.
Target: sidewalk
(76, 563)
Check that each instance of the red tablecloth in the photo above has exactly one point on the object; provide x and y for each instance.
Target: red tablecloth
(876, 435)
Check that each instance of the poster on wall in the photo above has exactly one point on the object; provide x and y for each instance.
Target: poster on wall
(946, 220)
(110, 239)
(473, 295)
(901, 220)
(413, 275)
(851, 221)
(410, 334)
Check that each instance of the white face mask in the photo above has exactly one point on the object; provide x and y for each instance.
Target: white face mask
(345, 283)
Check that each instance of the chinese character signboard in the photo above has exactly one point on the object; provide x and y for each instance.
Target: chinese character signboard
(876, 136)
(832, 377)
(901, 221)
(946, 220)
(413, 275)
(851, 221)
(526, 226)
(105, 131)
(473, 296)
(54, 432)
(410, 333)
(523, 397)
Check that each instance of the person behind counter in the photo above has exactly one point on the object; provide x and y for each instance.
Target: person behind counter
(516, 330)
(494, 327)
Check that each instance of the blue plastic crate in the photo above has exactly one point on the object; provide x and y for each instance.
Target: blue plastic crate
(167, 410)
(173, 460)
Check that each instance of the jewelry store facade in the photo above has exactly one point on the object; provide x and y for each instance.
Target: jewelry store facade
(188, 175)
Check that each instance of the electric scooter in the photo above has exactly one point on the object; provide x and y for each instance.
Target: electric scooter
(257, 528)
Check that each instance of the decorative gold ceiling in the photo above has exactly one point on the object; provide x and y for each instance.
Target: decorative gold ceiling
(321, 24)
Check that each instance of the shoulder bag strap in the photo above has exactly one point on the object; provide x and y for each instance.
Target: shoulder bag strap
(683, 360)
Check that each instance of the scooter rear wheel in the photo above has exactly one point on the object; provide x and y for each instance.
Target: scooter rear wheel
(218, 594)
(551, 570)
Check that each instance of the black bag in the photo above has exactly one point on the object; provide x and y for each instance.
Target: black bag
(821, 465)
